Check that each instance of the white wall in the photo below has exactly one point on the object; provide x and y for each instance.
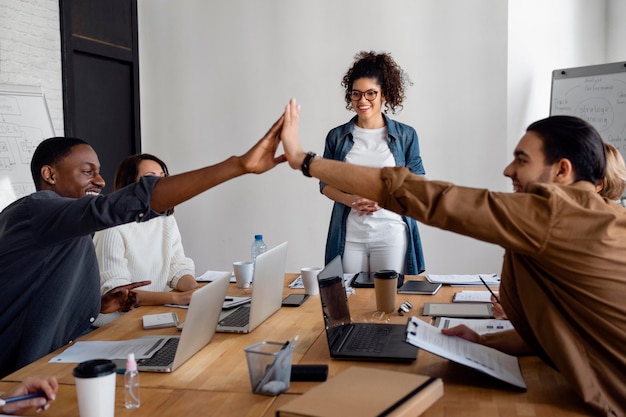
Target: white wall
(544, 36)
(214, 76)
(616, 30)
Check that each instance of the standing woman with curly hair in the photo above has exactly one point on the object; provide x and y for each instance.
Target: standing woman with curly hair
(368, 237)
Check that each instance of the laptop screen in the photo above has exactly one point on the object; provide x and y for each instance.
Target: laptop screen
(334, 299)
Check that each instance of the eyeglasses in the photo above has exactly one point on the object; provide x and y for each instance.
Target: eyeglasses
(370, 95)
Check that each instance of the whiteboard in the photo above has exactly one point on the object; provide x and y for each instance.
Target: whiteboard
(597, 94)
(24, 123)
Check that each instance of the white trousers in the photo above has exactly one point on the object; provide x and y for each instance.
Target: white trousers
(389, 253)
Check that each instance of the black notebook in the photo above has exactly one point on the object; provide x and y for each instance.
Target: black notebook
(366, 280)
(419, 287)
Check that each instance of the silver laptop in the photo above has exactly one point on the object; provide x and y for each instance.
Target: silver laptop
(202, 316)
(267, 293)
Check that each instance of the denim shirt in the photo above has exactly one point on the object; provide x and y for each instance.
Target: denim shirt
(404, 146)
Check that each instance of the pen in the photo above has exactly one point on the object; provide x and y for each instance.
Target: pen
(10, 400)
(492, 293)
(229, 299)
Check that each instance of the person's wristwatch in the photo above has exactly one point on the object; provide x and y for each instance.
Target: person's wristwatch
(306, 163)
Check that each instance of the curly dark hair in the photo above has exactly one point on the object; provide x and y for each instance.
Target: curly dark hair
(381, 67)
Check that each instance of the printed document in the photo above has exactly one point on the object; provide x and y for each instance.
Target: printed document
(466, 296)
(143, 348)
(347, 279)
(491, 279)
(482, 358)
(480, 326)
(210, 276)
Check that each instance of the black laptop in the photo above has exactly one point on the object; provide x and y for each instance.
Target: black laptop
(357, 341)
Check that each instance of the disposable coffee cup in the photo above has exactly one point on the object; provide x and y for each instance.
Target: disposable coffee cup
(385, 287)
(309, 279)
(95, 388)
(244, 271)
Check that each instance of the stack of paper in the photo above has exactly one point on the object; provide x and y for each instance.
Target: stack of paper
(490, 279)
(210, 276)
(466, 296)
(347, 278)
(480, 326)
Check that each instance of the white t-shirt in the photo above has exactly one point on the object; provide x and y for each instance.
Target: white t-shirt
(371, 149)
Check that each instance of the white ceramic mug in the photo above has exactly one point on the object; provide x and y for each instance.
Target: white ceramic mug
(309, 279)
(244, 271)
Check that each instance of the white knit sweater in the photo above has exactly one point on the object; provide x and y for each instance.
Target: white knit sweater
(135, 252)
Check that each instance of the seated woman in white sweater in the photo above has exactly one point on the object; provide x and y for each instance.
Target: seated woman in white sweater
(144, 251)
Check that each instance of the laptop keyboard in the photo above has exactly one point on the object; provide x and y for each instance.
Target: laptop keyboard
(369, 339)
(238, 318)
(163, 356)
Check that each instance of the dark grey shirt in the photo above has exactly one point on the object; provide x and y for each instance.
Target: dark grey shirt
(49, 278)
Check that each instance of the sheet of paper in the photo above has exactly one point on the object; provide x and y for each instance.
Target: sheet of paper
(229, 302)
(347, 278)
(485, 359)
(210, 276)
(454, 279)
(467, 296)
(481, 326)
(84, 351)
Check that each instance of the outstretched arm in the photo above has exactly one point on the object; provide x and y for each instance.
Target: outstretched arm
(173, 190)
(355, 179)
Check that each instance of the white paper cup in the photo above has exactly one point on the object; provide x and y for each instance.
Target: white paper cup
(95, 388)
(309, 279)
(244, 271)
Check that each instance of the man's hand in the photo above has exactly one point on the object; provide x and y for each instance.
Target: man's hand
(121, 298)
(463, 332)
(497, 311)
(261, 157)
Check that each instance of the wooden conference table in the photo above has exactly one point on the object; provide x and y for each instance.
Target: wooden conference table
(215, 381)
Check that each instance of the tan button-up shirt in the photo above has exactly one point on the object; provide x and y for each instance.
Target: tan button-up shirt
(564, 273)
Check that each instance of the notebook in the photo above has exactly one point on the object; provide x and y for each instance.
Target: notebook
(357, 341)
(366, 280)
(267, 293)
(202, 316)
(366, 392)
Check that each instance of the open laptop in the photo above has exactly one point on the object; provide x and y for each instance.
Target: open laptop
(357, 341)
(267, 293)
(202, 316)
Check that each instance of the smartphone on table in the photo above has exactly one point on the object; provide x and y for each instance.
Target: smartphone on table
(294, 300)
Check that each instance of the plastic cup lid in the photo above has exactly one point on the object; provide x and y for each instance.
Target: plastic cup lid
(94, 368)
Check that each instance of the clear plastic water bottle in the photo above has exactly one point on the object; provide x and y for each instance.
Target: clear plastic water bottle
(258, 247)
(131, 382)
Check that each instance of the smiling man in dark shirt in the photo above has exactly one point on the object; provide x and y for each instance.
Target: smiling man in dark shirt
(49, 278)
